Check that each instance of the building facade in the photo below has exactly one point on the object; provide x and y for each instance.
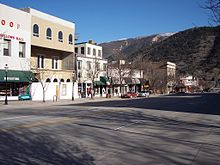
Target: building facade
(91, 70)
(15, 52)
(52, 56)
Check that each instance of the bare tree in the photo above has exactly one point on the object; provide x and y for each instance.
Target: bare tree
(214, 7)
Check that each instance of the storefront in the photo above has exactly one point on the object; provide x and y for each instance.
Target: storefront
(18, 83)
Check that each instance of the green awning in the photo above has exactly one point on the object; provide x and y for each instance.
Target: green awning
(98, 83)
(105, 80)
(17, 76)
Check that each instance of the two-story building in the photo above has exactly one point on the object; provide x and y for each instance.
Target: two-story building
(91, 69)
(52, 56)
(15, 52)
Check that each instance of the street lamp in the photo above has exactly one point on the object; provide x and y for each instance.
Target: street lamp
(73, 79)
(6, 84)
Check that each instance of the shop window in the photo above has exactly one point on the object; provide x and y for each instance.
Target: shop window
(54, 62)
(71, 39)
(40, 61)
(21, 49)
(6, 47)
(60, 36)
(49, 34)
(36, 30)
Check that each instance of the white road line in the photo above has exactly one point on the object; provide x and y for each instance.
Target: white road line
(127, 125)
(11, 118)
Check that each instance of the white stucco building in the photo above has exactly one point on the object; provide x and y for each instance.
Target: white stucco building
(15, 51)
(91, 67)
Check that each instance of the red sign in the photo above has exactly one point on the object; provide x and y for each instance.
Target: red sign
(6, 36)
(10, 24)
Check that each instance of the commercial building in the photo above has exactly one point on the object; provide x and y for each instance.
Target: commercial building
(52, 56)
(91, 69)
(15, 52)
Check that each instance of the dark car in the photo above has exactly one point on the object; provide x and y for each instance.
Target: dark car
(129, 95)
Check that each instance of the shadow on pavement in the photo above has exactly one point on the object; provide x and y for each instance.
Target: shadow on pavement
(194, 103)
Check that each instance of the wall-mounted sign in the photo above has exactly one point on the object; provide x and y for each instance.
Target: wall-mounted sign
(9, 24)
(7, 36)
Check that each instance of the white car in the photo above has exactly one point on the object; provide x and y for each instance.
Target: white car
(144, 94)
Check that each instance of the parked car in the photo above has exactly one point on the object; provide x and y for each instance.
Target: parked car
(129, 95)
(143, 94)
(24, 97)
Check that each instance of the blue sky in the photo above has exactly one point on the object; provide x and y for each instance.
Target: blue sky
(107, 20)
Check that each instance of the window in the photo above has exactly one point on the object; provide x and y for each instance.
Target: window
(36, 30)
(88, 65)
(76, 50)
(99, 53)
(61, 80)
(97, 66)
(6, 47)
(88, 51)
(104, 67)
(47, 80)
(79, 65)
(68, 80)
(49, 34)
(79, 75)
(55, 80)
(71, 39)
(54, 62)
(94, 52)
(21, 49)
(40, 61)
(60, 36)
(82, 50)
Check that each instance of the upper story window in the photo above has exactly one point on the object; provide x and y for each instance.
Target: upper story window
(88, 65)
(36, 30)
(49, 34)
(21, 49)
(7, 47)
(71, 39)
(60, 36)
(94, 52)
(88, 50)
(79, 65)
(99, 53)
(76, 50)
(82, 50)
(54, 62)
(40, 61)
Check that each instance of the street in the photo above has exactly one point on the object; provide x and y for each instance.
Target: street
(166, 130)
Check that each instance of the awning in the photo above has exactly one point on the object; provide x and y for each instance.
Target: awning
(16, 76)
(105, 80)
(99, 83)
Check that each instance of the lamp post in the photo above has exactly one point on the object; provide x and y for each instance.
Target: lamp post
(74, 78)
(6, 84)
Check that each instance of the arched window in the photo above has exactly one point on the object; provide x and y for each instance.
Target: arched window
(62, 80)
(36, 30)
(71, 39)
(60, 36)
(49, 34)
(68, 80)
(47, 80)
(55, 80)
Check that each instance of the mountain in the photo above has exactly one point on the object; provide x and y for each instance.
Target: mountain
(196, 51)
(131, 45)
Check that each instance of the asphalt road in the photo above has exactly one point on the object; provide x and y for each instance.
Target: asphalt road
(175, 129)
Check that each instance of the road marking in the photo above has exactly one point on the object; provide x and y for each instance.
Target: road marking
(126, 125)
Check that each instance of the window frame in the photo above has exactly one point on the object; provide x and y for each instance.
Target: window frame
(8, 49)
(22, 53)
(36, 32)
(60, 36)
(49, 34)
(70, 39)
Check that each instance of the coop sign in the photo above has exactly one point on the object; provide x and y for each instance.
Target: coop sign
(12, 78)
(9, 24)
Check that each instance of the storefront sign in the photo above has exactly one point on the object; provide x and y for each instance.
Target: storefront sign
(7, 36)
